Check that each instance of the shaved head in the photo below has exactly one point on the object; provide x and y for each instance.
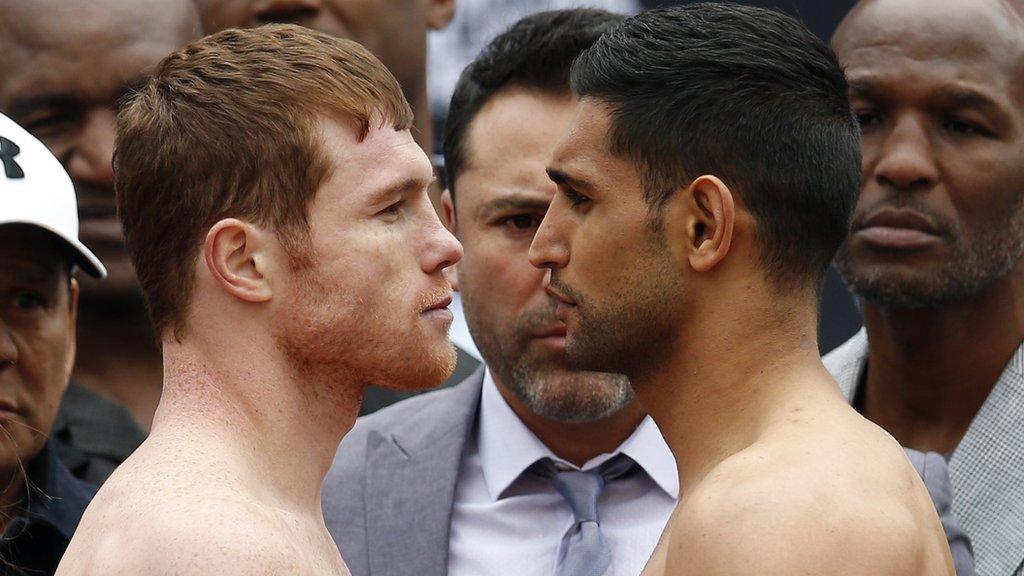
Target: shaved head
(966, 27)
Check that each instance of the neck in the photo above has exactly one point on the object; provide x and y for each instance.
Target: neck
(930, 370)
(252, 415)
(577, 442)
(713, 394)
(118, 356)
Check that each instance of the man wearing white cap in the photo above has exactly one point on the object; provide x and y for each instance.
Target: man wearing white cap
(39, 251)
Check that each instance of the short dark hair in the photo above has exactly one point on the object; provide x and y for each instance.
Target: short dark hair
(749, 95)
(536, 53)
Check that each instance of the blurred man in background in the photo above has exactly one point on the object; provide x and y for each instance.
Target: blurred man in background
(41, 502)
(68, 64)
(509, 472)
(936, 249)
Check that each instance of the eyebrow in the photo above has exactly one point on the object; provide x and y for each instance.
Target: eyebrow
(956, 97)
(401, 187)
(56, 99)
(513, 202)
(23, 106)
(563, 179)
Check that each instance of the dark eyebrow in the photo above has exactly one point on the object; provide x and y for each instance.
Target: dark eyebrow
(956, 97)
(21, 107)
(960, 98)
(514, 202)
(24, 106)
(563, 179)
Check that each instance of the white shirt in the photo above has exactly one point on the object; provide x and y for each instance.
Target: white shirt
(505, 524)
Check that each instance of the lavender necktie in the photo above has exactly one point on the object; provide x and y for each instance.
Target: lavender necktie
(584, 550)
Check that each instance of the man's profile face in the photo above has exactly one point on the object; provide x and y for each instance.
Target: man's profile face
(67, 64)
(394, 30)
(502, 195)
(610, 266)
(937, 90)
(366, 293)
(37, 345)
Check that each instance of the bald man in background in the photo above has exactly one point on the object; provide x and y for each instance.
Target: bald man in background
(936, 251)
(67, 64)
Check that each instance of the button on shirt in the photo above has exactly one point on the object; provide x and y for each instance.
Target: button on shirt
(505, 522)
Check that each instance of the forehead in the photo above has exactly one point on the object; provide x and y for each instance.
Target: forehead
(584, 152)
(977, 42)
(29, 253)
(385, 159)
(511, 139)
(66, 45)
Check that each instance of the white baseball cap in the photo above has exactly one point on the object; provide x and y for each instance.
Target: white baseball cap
(35, 189)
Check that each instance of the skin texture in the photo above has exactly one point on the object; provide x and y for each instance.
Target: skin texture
(68, 64)
(502, 196)
(270, 375)
(768, 452)
(38, 304)
(394, 30)
(944, 314)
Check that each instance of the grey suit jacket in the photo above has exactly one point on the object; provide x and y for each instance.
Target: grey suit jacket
(388, 497)
(987, 468)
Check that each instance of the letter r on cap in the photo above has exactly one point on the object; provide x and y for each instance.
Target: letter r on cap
(8, 150)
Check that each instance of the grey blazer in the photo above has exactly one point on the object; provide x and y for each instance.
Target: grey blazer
(987, 468)
(388, 497)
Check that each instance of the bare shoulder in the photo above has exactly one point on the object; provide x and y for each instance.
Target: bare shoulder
(800, 510)
(215, 535)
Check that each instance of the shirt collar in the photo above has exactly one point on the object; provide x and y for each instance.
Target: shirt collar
(507, 447)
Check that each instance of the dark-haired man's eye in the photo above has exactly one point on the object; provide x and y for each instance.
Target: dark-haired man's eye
(963, 128)
(868, 119)
(521, 222)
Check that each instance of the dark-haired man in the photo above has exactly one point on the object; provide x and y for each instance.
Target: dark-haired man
(274, 205)
(703, 186)
(41, 502)
(527, 467)
(936, 249)
(67, 65)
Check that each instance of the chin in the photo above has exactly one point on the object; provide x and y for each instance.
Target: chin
(428, 368)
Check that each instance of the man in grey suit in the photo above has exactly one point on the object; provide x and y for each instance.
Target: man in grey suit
(526, 467)
(935, 252)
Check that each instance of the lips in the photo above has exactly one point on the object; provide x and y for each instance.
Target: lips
(441, 304)
(898, 229)
(552, 332)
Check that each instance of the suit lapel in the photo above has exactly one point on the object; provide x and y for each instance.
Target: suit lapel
(410, 486)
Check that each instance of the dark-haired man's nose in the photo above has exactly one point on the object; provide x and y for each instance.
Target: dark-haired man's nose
(905, 159)
(547, 250)
(285, 11)
(91, 160)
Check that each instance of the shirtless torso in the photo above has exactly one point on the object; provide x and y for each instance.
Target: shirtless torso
(819, 490)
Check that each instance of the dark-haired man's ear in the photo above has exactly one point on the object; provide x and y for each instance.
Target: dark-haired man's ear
(440, 13)
(451, 273)
(707, 212)
(236, 255)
